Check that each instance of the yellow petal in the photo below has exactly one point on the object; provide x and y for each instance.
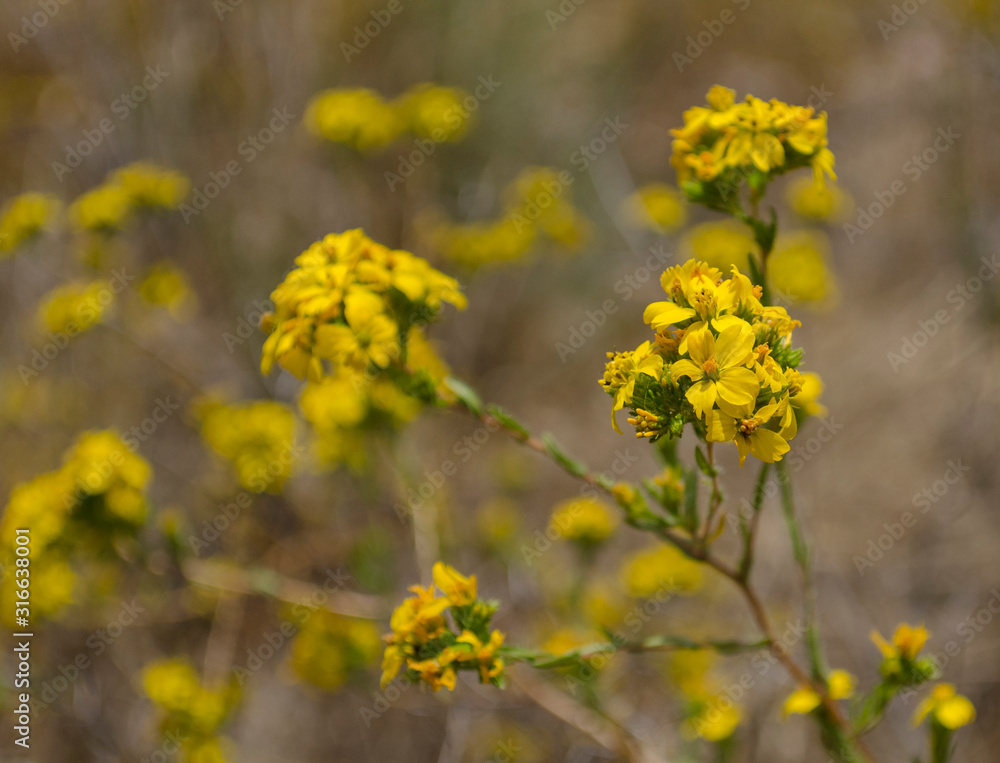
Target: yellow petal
(662, 314)
(767, 445)
(955, 712)
(738, 386)
(702, 396)
(684, 367)
(801, 701)
(721, 427)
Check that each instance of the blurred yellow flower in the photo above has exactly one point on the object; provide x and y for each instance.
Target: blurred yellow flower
(807, 399)
(105, 208)
(459, 589)
(798, 271)
(947, 707)
(330, 647)
(660, 570)
(360, 119)
(720, 245)
(435, 112)
(840, 685)
(24, 217)
(655, 206)
(818, 202)
(166, 285)
(75, 307)
(584, 520)
(907, 642)
(151, 186)
(715, 720)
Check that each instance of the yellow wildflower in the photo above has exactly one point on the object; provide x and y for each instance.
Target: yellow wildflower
(805, 699)
(75, 307)
(748, 430)
(166, 285)
(660, 571)
(947, 707)
(817, 202)
(621, 371)
(360, 119)
(24, 217)
(459, 589)
(105, 208)
(151, 186)
(716, 366)
(435, 112)
(720, 245)
(583, 519)
(655, 206)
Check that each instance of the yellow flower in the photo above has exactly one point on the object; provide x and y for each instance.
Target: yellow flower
(655, 206)
(583, 519)
(817, 202)
(947, 707)
(748, 430)
(907, 642)
(797, 268)
(435, 112)
(329, 647)
(716, 721)
(459, 589)
(716, 366)
(360, 119)
(621, 371)
(840, 685)
(660, 570)
(490, 666)
(720, 245)
(369, 336)
(105, 208)
(75, 307)
(24, 217)
(689, 669)
(149, 185)
(172, 684)
(166, 285)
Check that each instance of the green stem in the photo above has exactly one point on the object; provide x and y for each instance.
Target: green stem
(544, 660)
(749, 526)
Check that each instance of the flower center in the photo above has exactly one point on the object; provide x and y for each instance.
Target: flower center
(747, 426)
(710, 367)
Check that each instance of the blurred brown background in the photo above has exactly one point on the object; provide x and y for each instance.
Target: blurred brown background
(228, 66)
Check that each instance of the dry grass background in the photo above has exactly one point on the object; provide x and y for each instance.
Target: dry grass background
(900, 428)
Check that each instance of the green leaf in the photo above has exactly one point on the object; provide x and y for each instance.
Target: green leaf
(507, 421)
(465, 394)
(691, 500)
(574, 467)
(706, 468)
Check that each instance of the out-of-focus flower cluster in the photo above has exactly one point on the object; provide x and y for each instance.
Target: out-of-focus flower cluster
(167, 286)
(727, 143)
(191, 712)
(78, 515)
(352, 302)
(433, 648)
(24, 217)
(537, 204)
(708, 713)
(329, 648)
(365, 121)
(656, 207)
(719, 360)
(257, 438)
(136, 187)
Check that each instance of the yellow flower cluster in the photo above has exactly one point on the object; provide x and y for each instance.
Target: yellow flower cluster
(719, 360)
(97, 495)
(901, 663)
(656, 207)
(709, 714)
(726, 142)
(25, 217)
(75, 307)
(108, 207)
(425, 643)
(584, 520)
(817, 202)
(341, 407)
(257, 438)
(191, 712)
(538, 202)
(329, 648)
(165, 285)
(353, 302)
(363, 120)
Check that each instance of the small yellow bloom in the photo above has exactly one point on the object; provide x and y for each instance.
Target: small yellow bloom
(75, 307)
(817, 202)
(105, 208)
(660, 571)
(717, 368)
(435, 112)
(151, 186)
(840, 685)
(907, 642)
(360, 119)
(459, 589)
(721, 245)
(621, 371)
(166, 285)
(947, 707)
(25, 217)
